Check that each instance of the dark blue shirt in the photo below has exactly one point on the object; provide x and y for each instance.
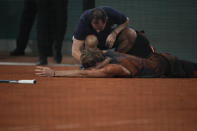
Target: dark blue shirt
(114, 56)
(84, 27)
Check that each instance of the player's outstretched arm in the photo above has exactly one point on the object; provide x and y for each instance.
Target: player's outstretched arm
(48, 72)
(109, 70)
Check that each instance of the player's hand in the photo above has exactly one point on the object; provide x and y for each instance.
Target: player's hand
(44, 71)
(110, 40)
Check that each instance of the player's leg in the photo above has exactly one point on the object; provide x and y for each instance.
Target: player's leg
(181, 68)
(190, 68)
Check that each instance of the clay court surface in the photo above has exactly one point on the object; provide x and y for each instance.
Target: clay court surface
(94, 104)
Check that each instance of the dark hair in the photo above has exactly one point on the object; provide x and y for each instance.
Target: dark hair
(98, 14)
(90, 57)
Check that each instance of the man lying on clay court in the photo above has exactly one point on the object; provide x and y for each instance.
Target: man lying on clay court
(99, 63)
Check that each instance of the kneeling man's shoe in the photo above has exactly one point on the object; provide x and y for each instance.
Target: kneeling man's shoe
(42, 61)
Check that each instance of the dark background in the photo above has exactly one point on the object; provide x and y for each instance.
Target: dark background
(170, 25)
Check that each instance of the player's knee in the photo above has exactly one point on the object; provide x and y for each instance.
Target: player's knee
(91, 41)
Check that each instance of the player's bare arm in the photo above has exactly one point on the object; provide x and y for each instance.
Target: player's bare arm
(109, 70)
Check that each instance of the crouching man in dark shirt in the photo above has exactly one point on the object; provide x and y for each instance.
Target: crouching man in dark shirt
(111, 30)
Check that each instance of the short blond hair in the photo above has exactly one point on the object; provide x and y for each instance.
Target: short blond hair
(91, 56)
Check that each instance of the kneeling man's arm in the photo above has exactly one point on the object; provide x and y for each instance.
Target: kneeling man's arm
(77, 47)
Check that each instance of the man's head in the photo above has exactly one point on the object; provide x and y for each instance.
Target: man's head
(98, 19)
(91, 56)
(91, 41)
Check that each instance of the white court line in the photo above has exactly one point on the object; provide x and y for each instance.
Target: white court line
(33, 64)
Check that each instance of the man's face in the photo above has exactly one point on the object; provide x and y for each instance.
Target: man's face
(98, 25)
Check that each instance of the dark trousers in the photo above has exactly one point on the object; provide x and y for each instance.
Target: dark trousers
(88, 4)
(51, 24)
(26, 23)
(141, 47)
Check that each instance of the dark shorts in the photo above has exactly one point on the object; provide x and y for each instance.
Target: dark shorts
(141, 46)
